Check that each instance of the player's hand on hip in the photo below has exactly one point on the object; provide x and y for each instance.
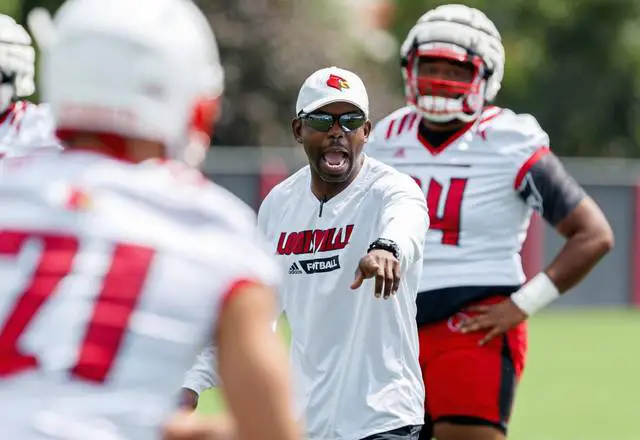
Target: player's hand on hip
(384, 267)
(497, 319)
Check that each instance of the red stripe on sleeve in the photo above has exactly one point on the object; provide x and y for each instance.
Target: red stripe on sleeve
(390, 129)
(236, 287)
(490, 117)
(403, 122)
(414, 117)
(524, 169)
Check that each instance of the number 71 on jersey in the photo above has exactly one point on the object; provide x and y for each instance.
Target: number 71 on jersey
(119, 290)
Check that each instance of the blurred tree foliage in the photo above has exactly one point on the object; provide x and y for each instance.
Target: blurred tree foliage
(267, 48)
(574, 64)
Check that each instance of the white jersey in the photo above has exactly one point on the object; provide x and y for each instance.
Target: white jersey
(27, 128)
(355, 357)
(113, 276)
(478, 217)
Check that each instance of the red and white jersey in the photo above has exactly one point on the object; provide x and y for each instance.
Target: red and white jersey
(472, 183)
(27, 128)
(113, 276)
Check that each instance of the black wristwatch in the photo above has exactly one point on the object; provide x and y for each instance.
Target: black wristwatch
(385, 245)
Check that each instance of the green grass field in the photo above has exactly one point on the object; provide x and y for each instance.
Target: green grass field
(582, 380)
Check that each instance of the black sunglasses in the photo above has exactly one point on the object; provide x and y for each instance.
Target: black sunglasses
(324, 121)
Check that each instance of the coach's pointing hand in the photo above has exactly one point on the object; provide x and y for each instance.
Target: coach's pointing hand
(382, 265)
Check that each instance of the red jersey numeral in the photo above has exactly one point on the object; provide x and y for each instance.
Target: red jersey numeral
(449, 222)
(118, 297)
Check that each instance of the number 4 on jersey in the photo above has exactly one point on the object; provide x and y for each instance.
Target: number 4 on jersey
(449, 221)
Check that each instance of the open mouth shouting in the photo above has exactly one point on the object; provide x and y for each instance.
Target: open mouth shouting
(334, 162)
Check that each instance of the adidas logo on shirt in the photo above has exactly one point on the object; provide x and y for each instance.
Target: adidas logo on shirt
(317, 265)
(294, 269)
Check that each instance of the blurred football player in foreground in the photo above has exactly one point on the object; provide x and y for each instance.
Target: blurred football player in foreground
(119, 263)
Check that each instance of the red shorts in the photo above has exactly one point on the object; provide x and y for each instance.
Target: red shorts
(466, 382)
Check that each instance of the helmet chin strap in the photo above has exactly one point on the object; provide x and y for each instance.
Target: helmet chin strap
(190, 148)
(439, 109)
(196, 150)
(442, 109)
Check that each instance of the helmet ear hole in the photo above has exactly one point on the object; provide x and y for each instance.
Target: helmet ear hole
(7, 78)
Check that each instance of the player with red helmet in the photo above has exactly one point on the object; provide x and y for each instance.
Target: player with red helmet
(483, 169)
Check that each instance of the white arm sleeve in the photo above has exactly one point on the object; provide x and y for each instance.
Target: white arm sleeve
(203, 375)
(264, 214)
(405, 218)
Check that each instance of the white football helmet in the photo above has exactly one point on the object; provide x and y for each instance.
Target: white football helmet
(458, 33)
(17, 62)
(142, 69)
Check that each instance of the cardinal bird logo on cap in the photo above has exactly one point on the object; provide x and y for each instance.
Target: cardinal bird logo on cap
(337, 83)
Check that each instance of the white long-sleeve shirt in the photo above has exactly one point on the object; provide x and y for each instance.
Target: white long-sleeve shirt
(355, 357)
(204, 374)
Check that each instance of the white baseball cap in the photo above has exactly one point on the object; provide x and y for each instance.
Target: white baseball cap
(332, 84)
